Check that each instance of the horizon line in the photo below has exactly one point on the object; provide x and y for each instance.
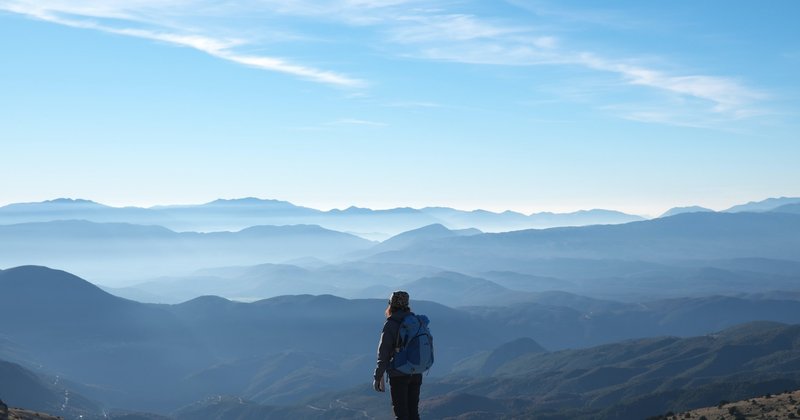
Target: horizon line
(330, 209)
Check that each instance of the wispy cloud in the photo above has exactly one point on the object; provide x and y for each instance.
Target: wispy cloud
(85, 14)
(727, 96)
(468, 39)
(432, 30)
(355, 121)
(414, 104)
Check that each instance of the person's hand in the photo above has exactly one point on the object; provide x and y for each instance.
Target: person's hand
(379, 384)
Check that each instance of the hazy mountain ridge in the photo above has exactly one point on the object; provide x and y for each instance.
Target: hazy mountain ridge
(688, 209)
(763, 205)
(238, 214)
(116, 251)
(684, 236)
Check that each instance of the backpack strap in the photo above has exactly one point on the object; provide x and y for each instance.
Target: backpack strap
(399, 328)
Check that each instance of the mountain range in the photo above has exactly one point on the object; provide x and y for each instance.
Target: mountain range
(113, 251)
(238, 214)
(280, 319)
(635, 256)
(281, 351)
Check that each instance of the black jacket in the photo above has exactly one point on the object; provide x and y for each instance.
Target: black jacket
(386, 347)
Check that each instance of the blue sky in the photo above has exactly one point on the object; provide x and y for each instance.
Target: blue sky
(523, 105)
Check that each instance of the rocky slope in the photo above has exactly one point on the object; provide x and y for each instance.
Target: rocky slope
(768, 406)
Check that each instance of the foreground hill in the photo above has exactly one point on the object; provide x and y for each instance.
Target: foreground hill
(283, 350)
(19, 387)
(785, 405)
(626, 380)
(20, 414)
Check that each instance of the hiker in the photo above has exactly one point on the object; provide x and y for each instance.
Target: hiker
(405, 351)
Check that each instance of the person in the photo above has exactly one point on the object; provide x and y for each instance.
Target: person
(404, 388)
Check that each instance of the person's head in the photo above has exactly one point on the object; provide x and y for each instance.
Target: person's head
(398, 301)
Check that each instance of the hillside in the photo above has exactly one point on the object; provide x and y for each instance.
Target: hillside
(21, 414)
(779, 406)
(268, 351)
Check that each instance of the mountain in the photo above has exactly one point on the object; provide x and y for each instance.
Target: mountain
(689, 236)
(455, 289)
(352, 280)
(583, 218)
(788, 208)
(632, 379)
(238, 214)
(299, 350)
(778, 406)
(115, 251)
(763, 205)
(159, 357)
(20, 414)
(236, 408)
(426, 233)
(20, 387)
(508, 352)
(680, 210)
(509, 220)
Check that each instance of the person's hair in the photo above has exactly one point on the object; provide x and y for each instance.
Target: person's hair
(391, 309)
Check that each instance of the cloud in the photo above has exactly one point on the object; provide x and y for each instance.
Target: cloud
(727, 95)
(433, 30)
(354, 121)
(453, 27)
(75, 15)
(467, 40)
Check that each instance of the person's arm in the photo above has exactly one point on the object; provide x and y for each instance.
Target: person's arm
(386, 347)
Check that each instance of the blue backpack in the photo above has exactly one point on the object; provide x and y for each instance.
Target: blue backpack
(414, 345)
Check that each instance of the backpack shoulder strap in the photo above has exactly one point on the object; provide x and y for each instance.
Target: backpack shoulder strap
(399, 329)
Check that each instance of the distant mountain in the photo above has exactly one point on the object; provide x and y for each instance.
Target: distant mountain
(263, 281)
(788, 208)
(426, 233)
(690, 236)
(508, 352)
(509, 220)
(114, 251)
(454, 289)
(680, 210)
(238, 214)
(763, 205)
(583, 218)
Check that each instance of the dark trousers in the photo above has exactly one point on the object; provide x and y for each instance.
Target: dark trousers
(405, 396)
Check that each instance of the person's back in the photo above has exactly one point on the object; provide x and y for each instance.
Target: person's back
(405, 386)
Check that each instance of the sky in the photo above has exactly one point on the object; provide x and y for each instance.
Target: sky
(522, 105)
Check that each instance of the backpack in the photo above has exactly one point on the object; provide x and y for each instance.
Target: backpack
(414, 345)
